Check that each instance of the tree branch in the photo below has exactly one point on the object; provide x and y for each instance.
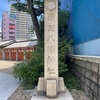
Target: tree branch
(34, 18)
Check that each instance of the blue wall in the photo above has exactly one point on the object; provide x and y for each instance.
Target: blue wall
(85, 25)
(86, 20)
(66, 4)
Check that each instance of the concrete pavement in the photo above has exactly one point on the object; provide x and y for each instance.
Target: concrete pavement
(8, 84)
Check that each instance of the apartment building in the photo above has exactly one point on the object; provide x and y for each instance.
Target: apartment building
(23, 24)
(8, 26)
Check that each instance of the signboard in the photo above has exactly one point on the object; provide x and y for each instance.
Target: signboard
(13, 16)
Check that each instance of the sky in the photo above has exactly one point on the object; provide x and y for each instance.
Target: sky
(4, 6)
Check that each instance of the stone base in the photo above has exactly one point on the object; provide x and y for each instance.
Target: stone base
(61, 96)
(51, 88)
(42, 88)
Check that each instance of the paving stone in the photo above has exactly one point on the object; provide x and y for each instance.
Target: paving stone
(8, 85)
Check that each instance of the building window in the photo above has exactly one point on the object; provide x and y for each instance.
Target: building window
(13, 37)
(11, 32)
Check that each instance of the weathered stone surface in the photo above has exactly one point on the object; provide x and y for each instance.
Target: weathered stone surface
(49, 83)
(95, 67)
(87, 82)
(87, 73)
(81, 70)
(88, 65)
(80, 76)
(99, 69)
(93, 77)
(90, 94)
(51, 39)
(61, 86)
(96, 97)
(51, 47)
(81, 63)
(51, 89)
(99, 80)
(94, 87)
(99, 91)
(85, 89)
(41, 84)
(64, 96)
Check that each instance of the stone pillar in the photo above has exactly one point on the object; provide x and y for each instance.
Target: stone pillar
(24, 54)
(3, 54)
(51, 47)
(16, 54)
(51, 84)
(9, 54)
(51, 39)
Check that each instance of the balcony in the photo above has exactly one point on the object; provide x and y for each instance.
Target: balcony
(13, 30)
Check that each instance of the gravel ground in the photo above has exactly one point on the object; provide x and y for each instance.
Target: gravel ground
(21, 94)
(78, 95)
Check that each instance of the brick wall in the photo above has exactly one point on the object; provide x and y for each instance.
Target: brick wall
(87, 70)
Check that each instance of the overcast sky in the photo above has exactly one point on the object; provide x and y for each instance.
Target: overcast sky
(4, 6)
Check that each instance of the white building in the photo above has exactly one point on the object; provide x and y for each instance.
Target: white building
(23, 24)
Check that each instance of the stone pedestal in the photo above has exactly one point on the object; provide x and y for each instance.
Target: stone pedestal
(51, 84)
(59, 89)
(51, 88)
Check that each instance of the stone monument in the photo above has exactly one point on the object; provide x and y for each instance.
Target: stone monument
(51, 84)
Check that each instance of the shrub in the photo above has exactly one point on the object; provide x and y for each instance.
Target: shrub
(71, 81)
(29, 71)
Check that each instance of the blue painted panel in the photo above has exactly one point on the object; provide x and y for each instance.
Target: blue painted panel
(91, 48)
(86, 20)
(66, 5)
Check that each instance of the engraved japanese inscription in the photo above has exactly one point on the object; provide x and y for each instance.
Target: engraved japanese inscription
(51, 39)
(50, 17)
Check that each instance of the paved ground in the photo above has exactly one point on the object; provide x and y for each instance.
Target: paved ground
(8, 84)
(6, 66)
